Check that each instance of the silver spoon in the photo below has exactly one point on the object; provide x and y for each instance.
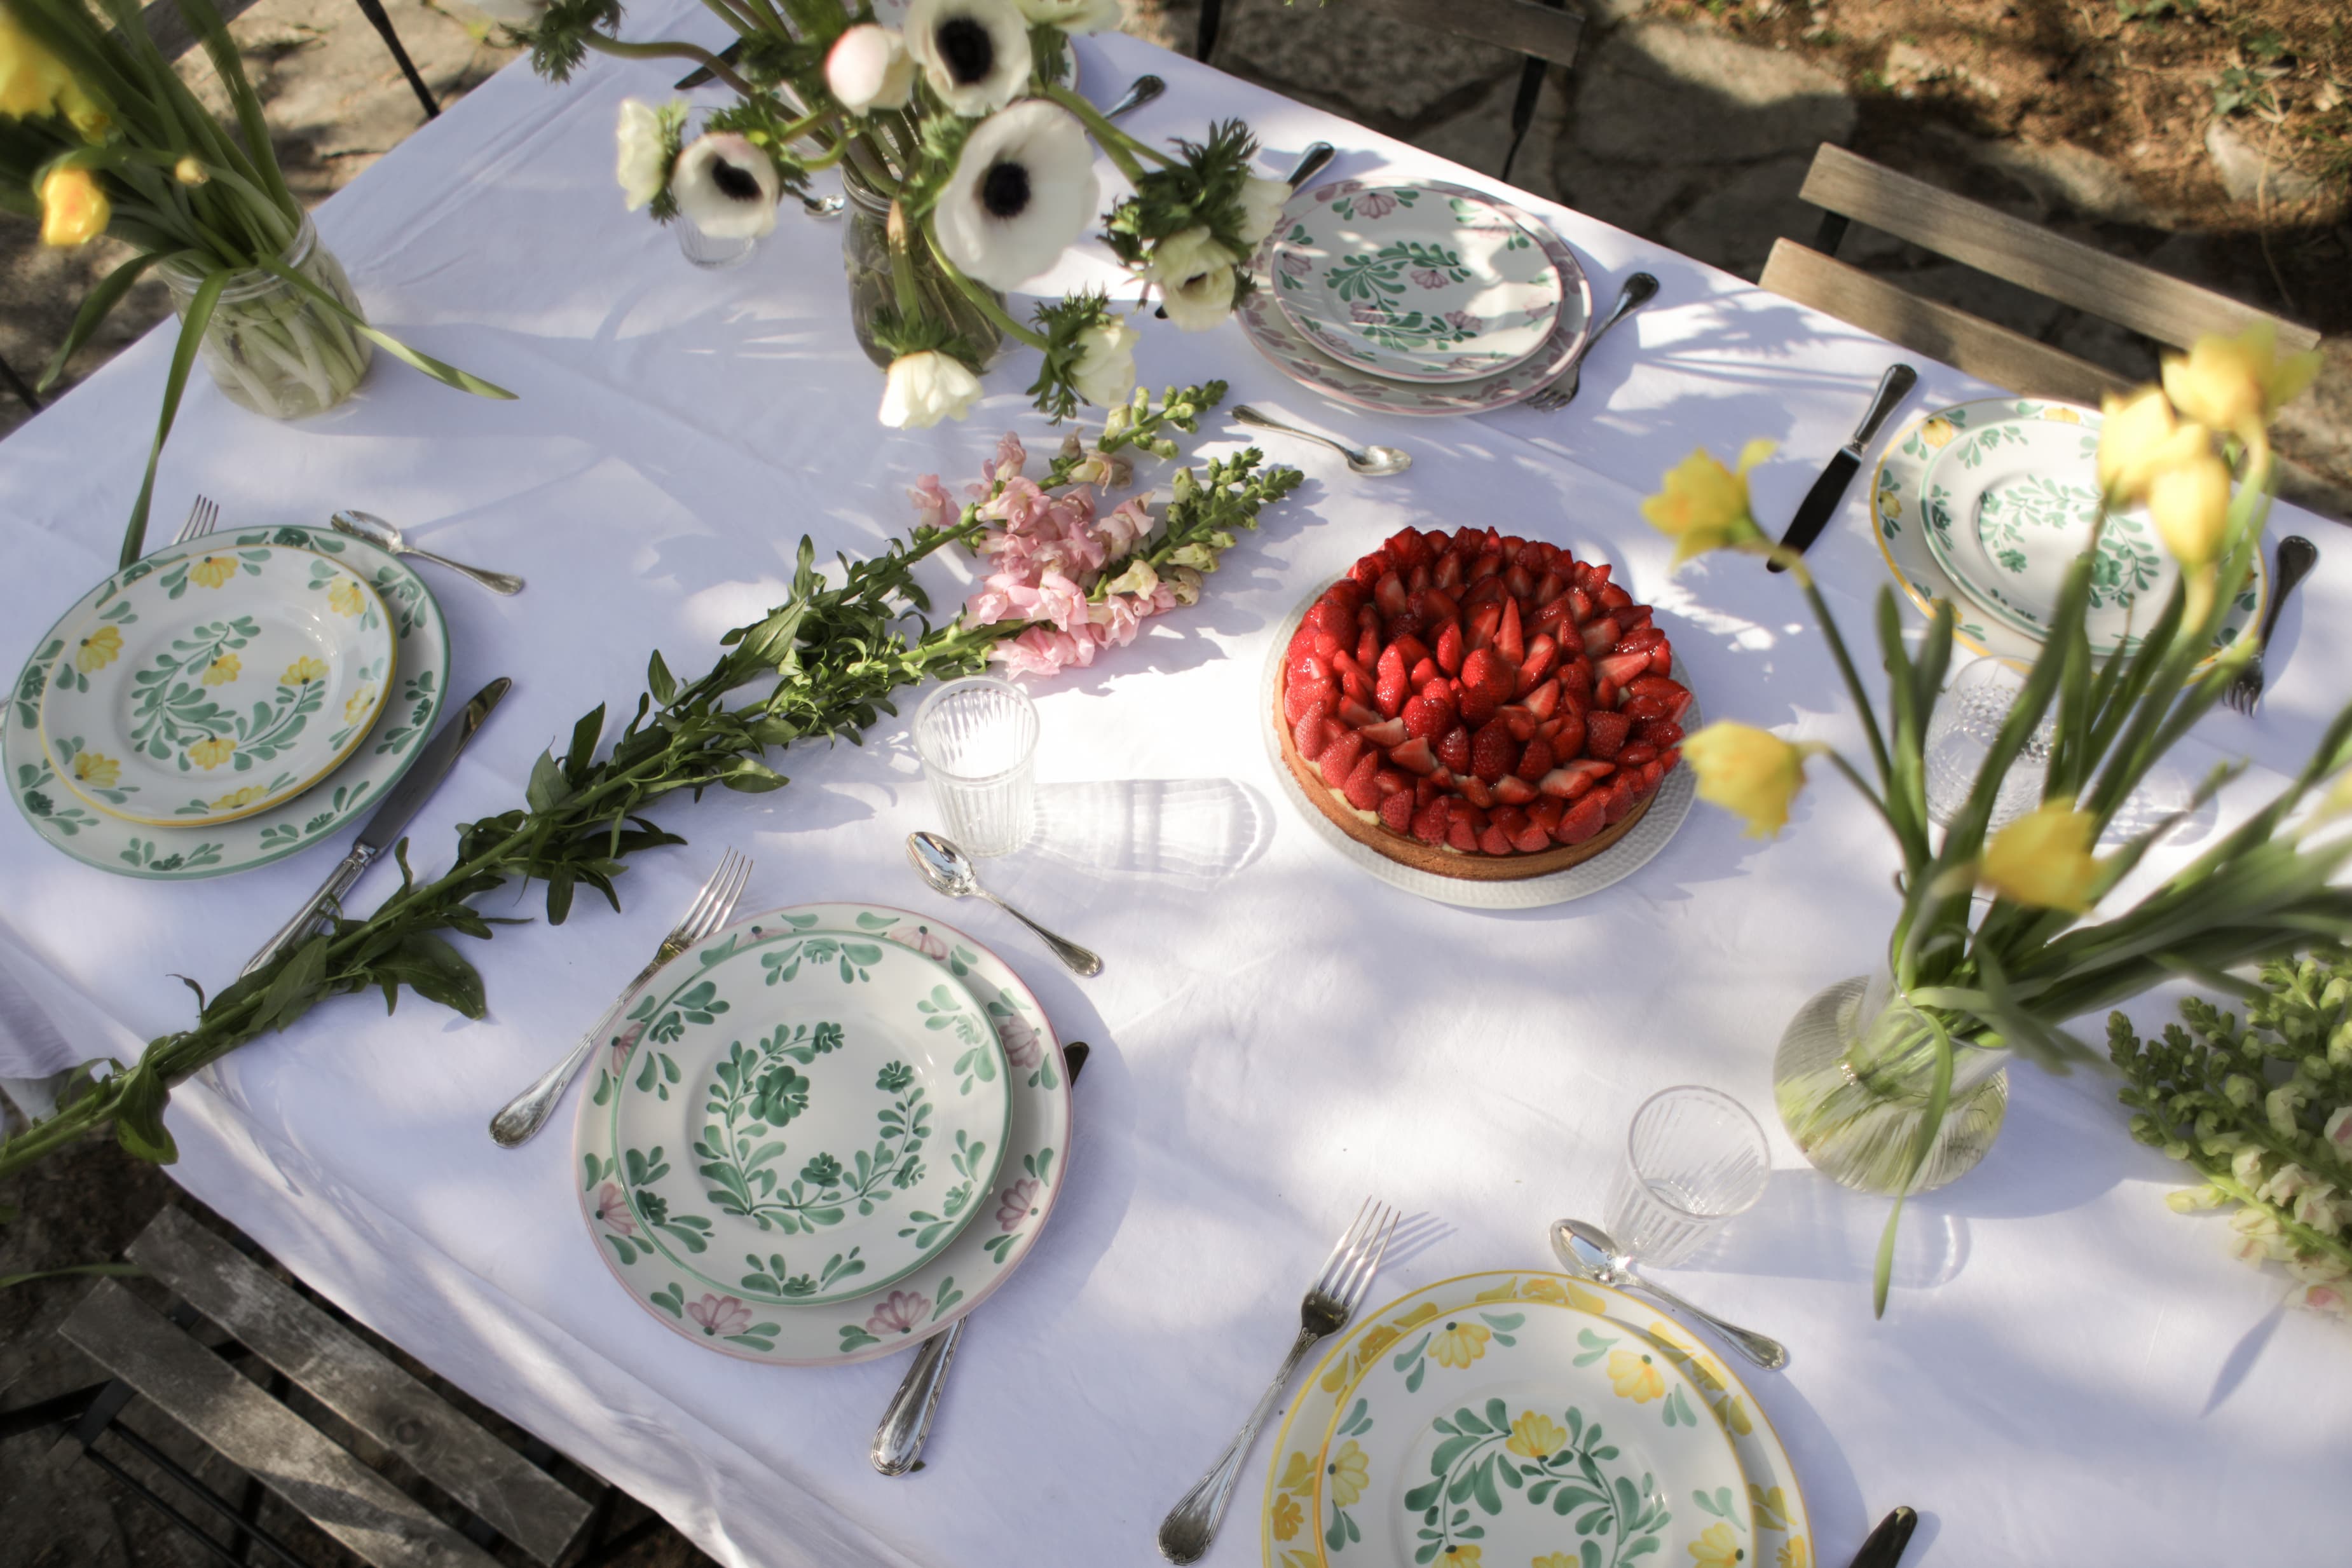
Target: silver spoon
(1375, 461)
(950, 871)
(1139, 92)
(824, 206)
(1589, 1250)
(383, 536)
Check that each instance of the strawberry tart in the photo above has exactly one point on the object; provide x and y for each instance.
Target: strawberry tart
(1480, 706)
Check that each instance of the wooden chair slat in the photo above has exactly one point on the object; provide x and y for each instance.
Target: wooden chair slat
(232, 1415)
(1524, 27)
(1995, 354)
(171, 30)
(2123, 292)
(513, 1496)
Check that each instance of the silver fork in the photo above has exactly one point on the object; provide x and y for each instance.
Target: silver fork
(203, 517)
(1639, 290)
(1331, 1301)
(2296, 557)
(527, 1112)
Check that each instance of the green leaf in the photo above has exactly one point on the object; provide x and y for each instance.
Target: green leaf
(447, 375)
(435, 970)
(300, 981)
(583, 752)
(659, 681)
(752, 776)
(175, 383)
(548, 788)
(95, 306)
(139, 1114)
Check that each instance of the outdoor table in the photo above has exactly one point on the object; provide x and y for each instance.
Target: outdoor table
(2067, 1372)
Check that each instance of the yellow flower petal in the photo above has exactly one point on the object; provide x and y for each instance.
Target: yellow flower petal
(2044, 858)
(2190, 505)
(1749, 771)
(213, 570)
(361, 703)
(211, 753)
(2142, 439)
(1635, 1377)
(98, 650)
(95, 768)
(1703, 506)
(343, 599)
(1716, 1547)
(2238, 383)
(1534, 1435)
(1458, 1344)
(74, 211)
(1285, 1517)
(1349, 1474)
(223, 670)
(1937, 433)
(305, 668)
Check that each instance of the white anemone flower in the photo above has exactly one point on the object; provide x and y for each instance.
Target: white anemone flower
(1074, 16)
(925, 388)
(869, 67)
(1021, 192)
(643, 160)
(726, 186)
(1105, 373)
(1262, 204)
(974, 53)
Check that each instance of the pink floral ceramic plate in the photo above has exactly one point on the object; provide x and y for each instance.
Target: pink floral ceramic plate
(999, 1220)
(1280, 339)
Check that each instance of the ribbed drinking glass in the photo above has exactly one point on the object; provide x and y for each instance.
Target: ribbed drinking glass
(978, 741)
(1693, 1158)
(1960, 734)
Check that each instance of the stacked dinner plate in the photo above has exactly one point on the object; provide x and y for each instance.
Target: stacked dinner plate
(1425, 298)
(822, 1133)
(1986, 504)
(1507, 1418)
(223, 702)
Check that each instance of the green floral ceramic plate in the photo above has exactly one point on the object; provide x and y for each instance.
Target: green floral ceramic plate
(179, 853)
(1524, 1429)
(2012, 503)
(822, 1107)
(1901, 505)
(150, 720)
(741, 1302)
(1297, 1530)
(1414, 283)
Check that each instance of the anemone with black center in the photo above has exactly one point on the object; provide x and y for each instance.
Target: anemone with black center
(1004, 190)
(965, 45)
(739, 184)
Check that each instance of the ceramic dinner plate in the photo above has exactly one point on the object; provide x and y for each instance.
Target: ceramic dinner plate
(1413, 285)
(1899, 506)
(724, 1300)
(2010, 503)
(1620, 859)
(1279, 339)
(818, 1112)
(178, 853)
(226, 681)
(1762, 1523)
(1519, 1431)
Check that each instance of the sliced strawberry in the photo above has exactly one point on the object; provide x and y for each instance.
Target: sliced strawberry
(1427, 719)
(1548, 731)
(1479, 628)
(1634, 617)
(1421, 674)
(1646, 710)
(1477, 707)
(1437, 605)
(1510, 640)
(1604, 733)
(1634, 753)
(1464, 825)
(1662, 659)
(1672, 693)
(1542, 655)
(1583, 819)
(1570, 740)
(1535, 761)
(1299, 699)
(1474, 789)
(1330, 613)
(1447, 573)
(1388, 594)
(1356, 715)
(1532, 836)
(1546, 813)
(1490, 673)
(1548, 586)
(1372, 569)
(1667, 759)
(1347, 593)
(1624, 794)
(1482, 591)
(1576, 681)
(1368, 647)
(1354, 679)
(1596, 578)
(1520, 581)
(1652, 772)
(1609, 595)
(1311, 665)
(1495, 841)
(1488, 564)
(1450, 648)
(1338, 757)
(1425, 789)
(1542, 700)
(1554, 619)
(1416, 576)
(1415, 756)
(1391, 689)
(1661, 732)
(1396, 811)
(1621, 669)
(1453, 749)
(1493, 752)
(1518, 720)
(1637, 640)
(1580, 601)
(1387, 733)
(1429, 820)
(1362, 793)
(1599, 635)
(1394, 781)
(1407, 546)
(1514, 790)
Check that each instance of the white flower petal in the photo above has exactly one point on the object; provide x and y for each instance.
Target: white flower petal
(925, 388)
(1186, 255)
(1105, 373)
(1021, 192)
(1262, 204)
(643, 161)
(726, 187)
(1202, 302)
(974, 53)
(869, 67)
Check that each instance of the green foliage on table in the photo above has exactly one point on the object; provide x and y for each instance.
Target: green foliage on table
(176, 185)
(2261, 1109)
(827, 661)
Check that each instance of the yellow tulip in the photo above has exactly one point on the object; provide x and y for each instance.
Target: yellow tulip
(189, 172)
(2237, 384)
(1749, 771)
(74, 211)
(34, 82)
(2044, 858)
(1705, 504)
(2142, 439)
(2190, 505)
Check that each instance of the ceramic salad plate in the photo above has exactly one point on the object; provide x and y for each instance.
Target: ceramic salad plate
(823, 1109)
(736, 1302)
(1296, 355)
(2010, 503)
(149, 719)
(1414, 285)
(1761, 1523)
(178, 851)
(1521, 1433)
(1900, 506)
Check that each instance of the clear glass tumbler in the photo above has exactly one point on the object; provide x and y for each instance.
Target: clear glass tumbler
(978, 741)
(1693, 1158)
(1960, 734)
(707, 250)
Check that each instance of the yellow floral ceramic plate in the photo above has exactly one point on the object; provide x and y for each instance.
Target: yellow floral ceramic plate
(1295, 1527)
(225, 680)
(1530, 1432)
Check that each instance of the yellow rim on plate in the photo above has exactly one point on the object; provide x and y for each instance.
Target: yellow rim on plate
(1289, 1539)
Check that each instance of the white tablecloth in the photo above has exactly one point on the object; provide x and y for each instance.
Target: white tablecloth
(2068, 1373)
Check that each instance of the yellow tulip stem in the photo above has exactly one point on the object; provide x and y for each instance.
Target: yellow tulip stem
(1862, 788)
(1828, 623)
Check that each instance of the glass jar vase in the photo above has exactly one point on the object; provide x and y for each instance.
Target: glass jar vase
(1852, 1079)
(269, 345)
(866, 256)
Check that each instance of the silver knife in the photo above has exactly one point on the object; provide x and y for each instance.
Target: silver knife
(898, 1441)
(424, 777)
(1821, 501)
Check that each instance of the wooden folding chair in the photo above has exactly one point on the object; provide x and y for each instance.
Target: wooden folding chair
(1852, 189)
(156, 1358)
(170, 32)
